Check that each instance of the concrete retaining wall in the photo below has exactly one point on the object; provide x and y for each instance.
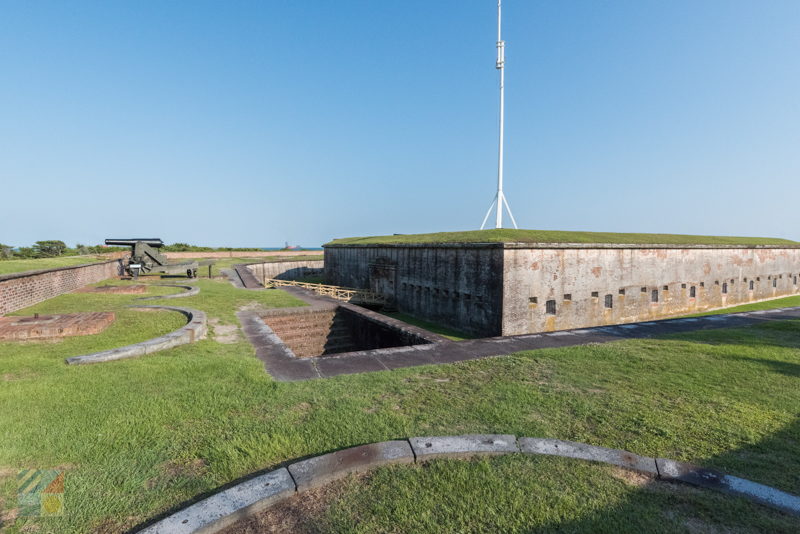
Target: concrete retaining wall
(286, 270)
(510, 289)
(20, 290)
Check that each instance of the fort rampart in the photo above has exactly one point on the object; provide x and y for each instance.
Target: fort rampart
(510, 288)
(20, 290)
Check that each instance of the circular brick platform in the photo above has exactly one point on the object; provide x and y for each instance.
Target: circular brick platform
(53, 326)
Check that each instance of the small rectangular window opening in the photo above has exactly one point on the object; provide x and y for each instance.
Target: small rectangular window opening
(532, 300)
(550, 307)
(774, 282)
(666, 288)
(644, 290)
(621, 291)
(725, 287)
(752, 285)
(795, 280)
(654, 295)
(692, 292)
(702, 284)
(683, 286)
(567, 296)
(609, 301)
(595, 294)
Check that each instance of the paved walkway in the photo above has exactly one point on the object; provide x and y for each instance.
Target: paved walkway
(285, 367)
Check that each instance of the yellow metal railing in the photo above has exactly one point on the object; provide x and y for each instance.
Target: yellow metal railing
(339, 293)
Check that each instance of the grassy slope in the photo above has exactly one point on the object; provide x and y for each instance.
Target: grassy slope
(554, 236)
(139, 436)
(18, 266)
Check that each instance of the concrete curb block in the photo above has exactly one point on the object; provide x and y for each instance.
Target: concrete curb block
(711, 479)
(194, 330)
(190, 292)
(320, 470)
(225, 508)
(222, 509)
(428, 448)
(571, 449)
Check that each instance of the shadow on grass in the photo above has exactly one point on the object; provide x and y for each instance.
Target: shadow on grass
(646, 508)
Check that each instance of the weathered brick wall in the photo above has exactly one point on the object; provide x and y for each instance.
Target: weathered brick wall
(508, 289)
(564, 286)
(451, 284)
(20, 290)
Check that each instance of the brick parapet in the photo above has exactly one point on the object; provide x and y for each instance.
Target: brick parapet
(21, 290)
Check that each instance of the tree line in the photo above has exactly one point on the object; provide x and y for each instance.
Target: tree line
(54, 248)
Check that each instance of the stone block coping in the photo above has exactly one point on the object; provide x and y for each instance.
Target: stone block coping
(222, 509)
(195, 329)
(228, 506)
(320, 470)
(463, 446)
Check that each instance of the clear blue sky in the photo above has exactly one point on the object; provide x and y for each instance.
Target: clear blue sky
(253, 123)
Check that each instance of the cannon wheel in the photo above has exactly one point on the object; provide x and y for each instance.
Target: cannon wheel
(135, 273)
(189, 273)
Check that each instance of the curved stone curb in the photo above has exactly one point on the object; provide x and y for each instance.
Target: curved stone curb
(463, 446)
(320, 470)
(711, 479)
(226, 507)
(194, 330)
(190, 292)
(582, 451)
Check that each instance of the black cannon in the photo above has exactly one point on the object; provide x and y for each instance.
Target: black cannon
(146, 258)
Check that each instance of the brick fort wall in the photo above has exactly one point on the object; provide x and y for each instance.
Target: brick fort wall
(20, 290)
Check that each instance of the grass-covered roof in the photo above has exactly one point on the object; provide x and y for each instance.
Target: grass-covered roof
(557, 236)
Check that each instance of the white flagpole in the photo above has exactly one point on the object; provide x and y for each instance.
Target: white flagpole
(500, 199)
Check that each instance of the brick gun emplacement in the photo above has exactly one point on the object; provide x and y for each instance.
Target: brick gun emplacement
(146, 258)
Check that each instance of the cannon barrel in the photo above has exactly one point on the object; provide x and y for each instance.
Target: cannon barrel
(151, 241)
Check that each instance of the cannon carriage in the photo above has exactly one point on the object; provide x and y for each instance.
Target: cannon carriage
(146, 258)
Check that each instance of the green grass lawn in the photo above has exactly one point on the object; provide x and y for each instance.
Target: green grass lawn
(522, 494)
(786, 302)
(137, 437)
(554, 236)
(18, 266)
